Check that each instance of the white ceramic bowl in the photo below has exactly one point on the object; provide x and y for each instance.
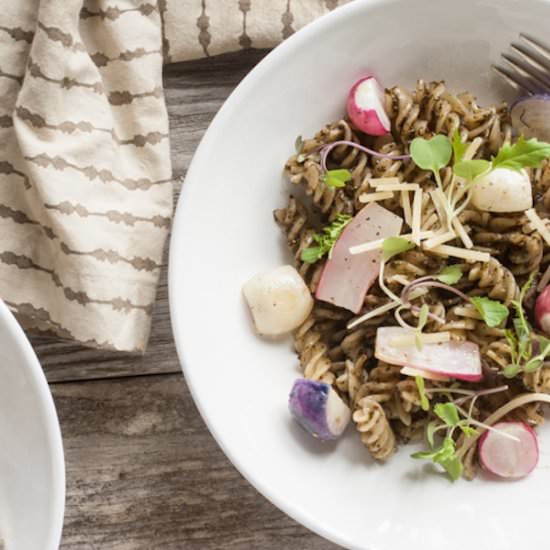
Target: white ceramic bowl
(224, 233)
(32, 469)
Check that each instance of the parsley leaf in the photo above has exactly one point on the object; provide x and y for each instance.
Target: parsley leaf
(492, 311)
(431, 154)
(450, 275)
(395, 245)
(467, 430)
(424, 402)
(523, 153)
(448, 413)
(325, 240)
(459, 147)
(337, 178)
(471, 169)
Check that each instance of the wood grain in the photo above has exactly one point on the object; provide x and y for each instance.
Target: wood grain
(143, 472)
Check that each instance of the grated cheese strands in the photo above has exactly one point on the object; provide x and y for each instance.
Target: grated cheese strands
(431, 221)
(375, 245)
(544, 280)
(371, 197)
(401, 279)
(468, 311)
(456, 252)
(374, 313)
(416, 216)
(472, 149)
(538, 224)
(397, 187)
(461, 232)
(439, 203)
(406, 205)
(438, 239)
(410, 339)
(374, 182)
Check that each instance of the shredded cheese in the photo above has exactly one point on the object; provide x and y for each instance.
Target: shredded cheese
(430, 338)
(416, 216)
(545, 279)
(538, 224)
(438, 239)
(467, 311)
(461, 232)
(373, 313)
(472, 255)
(397, 187)
(401, 279)
(371, 197)
(406, 205)
(378, 181)
(439, 202)
(376, 244)
(472, 149)
(431, 221)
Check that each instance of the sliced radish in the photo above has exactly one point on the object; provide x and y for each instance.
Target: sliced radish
(366, 107)
(410, 371)
(346, 278)
(542, 310)
(318, 409)
(506, 457)
(531, 116)
(459, 360)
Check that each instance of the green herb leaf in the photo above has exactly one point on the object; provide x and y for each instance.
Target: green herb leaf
(511, 370)
(492, 311)
(325, 240)
(337, 178)
(471, 169)
(532, 365)
(395, 245)
(423, 316)
(468, 431)
(431, 428)
(424, 402)
(448, 413)
(299, 145)
(312, 254)
(431, 154)
(459, 147)
(523, 153)
(450, 275)
(445, 456)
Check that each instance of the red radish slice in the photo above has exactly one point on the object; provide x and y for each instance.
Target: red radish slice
(346, 278)
(506, 457)
(365, 107)
(459, 360)
(542, 310)
(410, 371)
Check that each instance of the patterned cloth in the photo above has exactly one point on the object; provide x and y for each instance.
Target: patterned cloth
(85, 175)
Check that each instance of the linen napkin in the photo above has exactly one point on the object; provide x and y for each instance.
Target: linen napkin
(85, 175)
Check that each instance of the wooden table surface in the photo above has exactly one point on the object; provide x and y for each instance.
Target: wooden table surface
(143, 472)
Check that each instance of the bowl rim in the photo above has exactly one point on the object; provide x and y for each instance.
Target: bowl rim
(51, 420)
(179, 235)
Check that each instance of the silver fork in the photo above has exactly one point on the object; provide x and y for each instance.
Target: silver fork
(528, 67)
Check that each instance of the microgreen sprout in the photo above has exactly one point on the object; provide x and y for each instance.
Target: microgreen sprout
(325, 240)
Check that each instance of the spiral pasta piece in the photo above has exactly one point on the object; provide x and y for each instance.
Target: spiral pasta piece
(375, 430)
(494, 279)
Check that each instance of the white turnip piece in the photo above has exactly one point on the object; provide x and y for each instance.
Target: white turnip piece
(279, 300)
(458, 360)
(506, 457)
(346, 278)
(503, 190)
(365, 107)
(531, 116)
(318, 409)
(542, 310)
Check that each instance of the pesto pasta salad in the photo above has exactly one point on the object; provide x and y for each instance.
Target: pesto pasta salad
(418, 293)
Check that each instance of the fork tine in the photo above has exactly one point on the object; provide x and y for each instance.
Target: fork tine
(515, 79)
(540, 81)
(532, 56)
(541, 47)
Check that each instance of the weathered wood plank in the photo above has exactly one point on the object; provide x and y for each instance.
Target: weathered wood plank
(144, 473)
(194, 93)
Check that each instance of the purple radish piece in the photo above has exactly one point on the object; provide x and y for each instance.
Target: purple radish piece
(365, 107)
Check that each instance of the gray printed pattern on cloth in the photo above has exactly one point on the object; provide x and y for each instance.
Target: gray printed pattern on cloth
(85, 175)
